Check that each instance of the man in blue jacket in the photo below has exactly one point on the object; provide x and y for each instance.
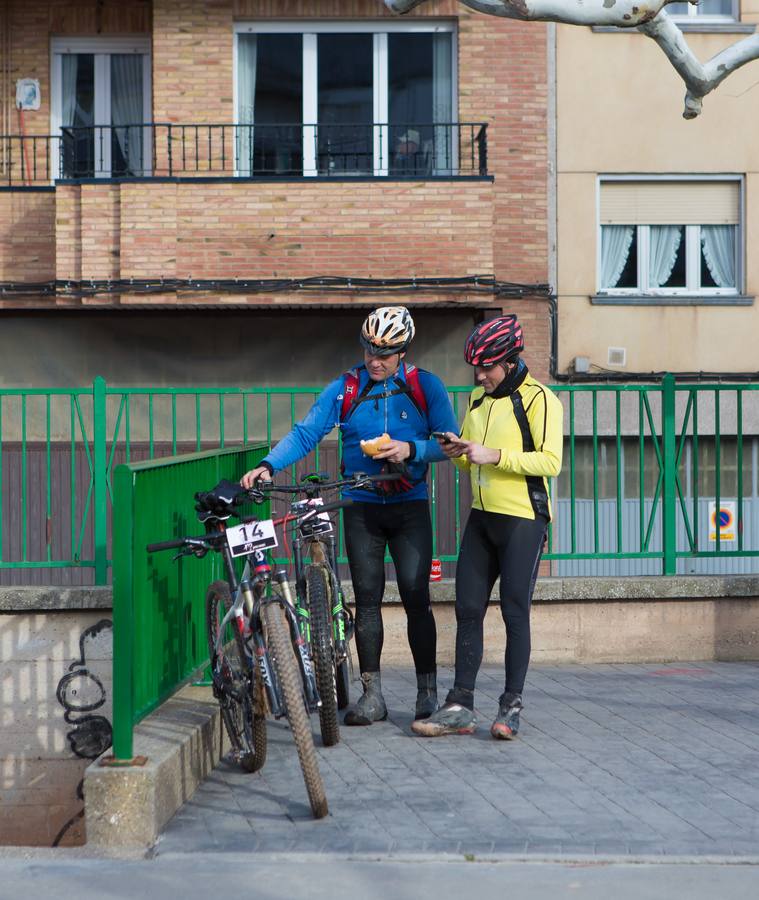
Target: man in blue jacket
(382, 396)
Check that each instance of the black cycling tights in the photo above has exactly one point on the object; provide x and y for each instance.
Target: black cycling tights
(493, 545)
(405, 528)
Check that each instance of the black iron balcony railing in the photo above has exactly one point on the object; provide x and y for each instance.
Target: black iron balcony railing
(417, 151)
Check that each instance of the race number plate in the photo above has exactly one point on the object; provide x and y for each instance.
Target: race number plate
(250, 536)
(318, 524)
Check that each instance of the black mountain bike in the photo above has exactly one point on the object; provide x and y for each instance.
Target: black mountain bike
(325, 620)
(258, 656)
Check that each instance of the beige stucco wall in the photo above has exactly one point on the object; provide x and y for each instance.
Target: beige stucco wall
(619, 110)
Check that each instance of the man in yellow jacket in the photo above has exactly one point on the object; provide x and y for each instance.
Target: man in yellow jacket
(511, 444)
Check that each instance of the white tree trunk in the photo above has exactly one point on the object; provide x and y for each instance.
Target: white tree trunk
(649, 17)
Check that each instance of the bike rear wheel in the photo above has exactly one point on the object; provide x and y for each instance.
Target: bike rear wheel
(322, 649)
(246, 727)
(288, 674)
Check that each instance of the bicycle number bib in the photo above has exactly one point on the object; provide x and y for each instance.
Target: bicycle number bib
(318, 524)
(250, 536)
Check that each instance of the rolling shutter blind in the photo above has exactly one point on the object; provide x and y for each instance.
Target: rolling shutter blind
(670, 203)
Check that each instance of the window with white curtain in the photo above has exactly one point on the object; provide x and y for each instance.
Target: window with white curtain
(670, 237)
(100, 106)
(340, 98)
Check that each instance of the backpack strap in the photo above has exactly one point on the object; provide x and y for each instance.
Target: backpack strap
(351, 396)
(414, 388)
(411, 386)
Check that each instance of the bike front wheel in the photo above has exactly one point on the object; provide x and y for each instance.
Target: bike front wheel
(288, 675)
(322, 649)
(233, 677)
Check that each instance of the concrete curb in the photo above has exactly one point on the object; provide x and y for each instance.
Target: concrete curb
(128, 806)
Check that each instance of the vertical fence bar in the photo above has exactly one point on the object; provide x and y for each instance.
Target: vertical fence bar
(618, 411)
(717, 472)
(23, 479)
(739, 463)
(123, 616)
(695, 470)
(594, 396)
(1, 477)
(641, 473)
(572, 494)
(100, 479)
(72, 406)
(48, 487)
(669, 512)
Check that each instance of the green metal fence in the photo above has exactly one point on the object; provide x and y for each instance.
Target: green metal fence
(640, 462)
(158, 612)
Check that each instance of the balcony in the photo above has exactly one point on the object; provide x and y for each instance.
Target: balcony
(414, 151)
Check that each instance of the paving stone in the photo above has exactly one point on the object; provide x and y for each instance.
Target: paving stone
(638, 760)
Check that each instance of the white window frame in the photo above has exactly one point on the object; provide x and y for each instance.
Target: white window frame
(692, 246)
(102, 49)
(693, 14)
(380, 29)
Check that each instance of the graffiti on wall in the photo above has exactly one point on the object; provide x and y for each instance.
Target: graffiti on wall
(80, 692)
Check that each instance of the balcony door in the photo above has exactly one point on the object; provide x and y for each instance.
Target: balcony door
(321, 99)
(101, 103)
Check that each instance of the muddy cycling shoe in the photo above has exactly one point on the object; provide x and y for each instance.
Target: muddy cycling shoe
(426, 695)
(451, 718)
(371, 706)
(506, 724)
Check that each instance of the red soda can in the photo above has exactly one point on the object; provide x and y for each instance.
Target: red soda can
(436, 570)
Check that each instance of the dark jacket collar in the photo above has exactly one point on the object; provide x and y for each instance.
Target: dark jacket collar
(511, 382)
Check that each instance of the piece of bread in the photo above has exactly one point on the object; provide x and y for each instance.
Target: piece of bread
(375, 445)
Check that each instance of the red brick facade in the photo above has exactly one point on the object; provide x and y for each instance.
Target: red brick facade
(295, 228)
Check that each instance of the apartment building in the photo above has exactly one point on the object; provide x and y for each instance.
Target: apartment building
(656, 271)
(215, 191)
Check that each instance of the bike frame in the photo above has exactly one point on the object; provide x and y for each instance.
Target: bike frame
(248, 597)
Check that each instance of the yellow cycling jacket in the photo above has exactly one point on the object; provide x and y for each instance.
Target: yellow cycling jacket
(527, 427)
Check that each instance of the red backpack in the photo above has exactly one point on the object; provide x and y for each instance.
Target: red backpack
(351, 397)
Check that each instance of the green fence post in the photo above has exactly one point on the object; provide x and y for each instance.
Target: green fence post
(669, 455)
(100, 480)
(123, 614)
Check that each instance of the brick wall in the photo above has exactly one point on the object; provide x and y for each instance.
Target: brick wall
(381, 230)
(249, 230)
(27, 236)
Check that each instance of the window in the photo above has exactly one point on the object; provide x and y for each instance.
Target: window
(705, 10)
(346, 99)
(100, 100)
(669, 237)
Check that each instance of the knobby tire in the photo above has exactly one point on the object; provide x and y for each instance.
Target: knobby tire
(318, 600)
(245, 726)
(283, 659)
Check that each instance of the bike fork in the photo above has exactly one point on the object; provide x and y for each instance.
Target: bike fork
(303, 654)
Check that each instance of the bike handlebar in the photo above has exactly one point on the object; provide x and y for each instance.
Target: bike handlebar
(353, 481)
(177, 543)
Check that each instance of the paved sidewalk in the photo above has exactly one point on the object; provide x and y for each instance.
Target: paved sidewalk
(613, 760)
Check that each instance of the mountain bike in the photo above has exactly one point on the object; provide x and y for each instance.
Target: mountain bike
(326, 621)
(259, 659)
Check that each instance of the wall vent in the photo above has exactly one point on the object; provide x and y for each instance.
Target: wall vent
(617, 356)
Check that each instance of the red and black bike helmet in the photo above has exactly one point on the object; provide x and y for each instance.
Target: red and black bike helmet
(494, 341)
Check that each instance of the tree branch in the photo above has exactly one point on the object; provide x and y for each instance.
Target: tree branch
(648, 16)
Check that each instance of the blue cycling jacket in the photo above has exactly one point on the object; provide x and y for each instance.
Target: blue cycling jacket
(396, 414)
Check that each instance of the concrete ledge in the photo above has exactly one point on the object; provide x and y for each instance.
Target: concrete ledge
(592, 590)
(547, 590)
(34, 599)
(128, 807)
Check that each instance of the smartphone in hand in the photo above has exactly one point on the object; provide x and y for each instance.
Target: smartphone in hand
(442, 436)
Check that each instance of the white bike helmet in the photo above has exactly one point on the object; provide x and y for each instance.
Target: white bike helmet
(387, 330)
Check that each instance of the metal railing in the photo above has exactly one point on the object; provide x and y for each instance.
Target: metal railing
(155, 149)
(646, 466)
